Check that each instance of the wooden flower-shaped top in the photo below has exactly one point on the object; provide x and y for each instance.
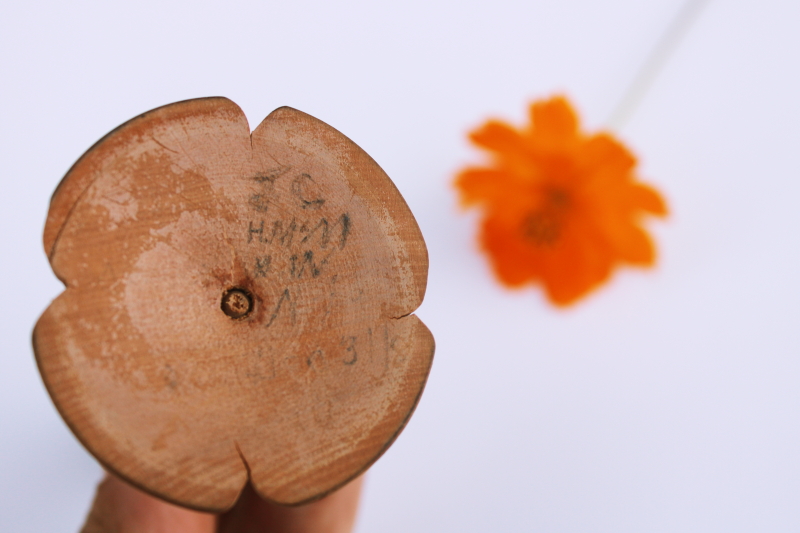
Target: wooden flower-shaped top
(237, 305)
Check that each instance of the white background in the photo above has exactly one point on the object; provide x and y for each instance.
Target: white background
(666, 402)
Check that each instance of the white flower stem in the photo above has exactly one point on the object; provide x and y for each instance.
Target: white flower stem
(655, 62)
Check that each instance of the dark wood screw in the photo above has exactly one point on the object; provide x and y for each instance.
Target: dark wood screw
(237, 303)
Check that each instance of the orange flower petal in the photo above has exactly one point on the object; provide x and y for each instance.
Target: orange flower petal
(480, 185)
(604, 153)
(584, 264)
(648, 199)
(634, 246)
(554, 124)
(500, 138)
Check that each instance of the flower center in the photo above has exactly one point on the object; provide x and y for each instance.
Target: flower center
(543, 226)
(236, 303)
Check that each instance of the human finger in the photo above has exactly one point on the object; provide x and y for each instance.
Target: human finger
(121, 508)
(335, 513)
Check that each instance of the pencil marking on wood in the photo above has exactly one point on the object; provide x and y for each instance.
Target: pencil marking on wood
(350, 347)
(302, 188)
(259, 202)
(284, 297)
(317, 354)
(262, 266)
(343, 223)
(298, 267)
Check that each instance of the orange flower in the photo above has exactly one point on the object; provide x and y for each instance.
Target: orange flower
(560, 207)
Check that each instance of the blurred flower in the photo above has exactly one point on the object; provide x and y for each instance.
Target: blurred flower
(560, 207)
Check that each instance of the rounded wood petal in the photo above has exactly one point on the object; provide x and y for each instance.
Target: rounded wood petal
(237, 306)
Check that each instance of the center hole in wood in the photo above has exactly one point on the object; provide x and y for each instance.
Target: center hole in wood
(237, 303)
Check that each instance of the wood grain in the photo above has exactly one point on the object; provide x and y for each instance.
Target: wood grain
(237, 306)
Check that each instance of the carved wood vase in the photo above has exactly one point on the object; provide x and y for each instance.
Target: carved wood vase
(237, 306)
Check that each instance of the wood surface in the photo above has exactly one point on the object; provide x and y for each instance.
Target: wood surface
(237, 306)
